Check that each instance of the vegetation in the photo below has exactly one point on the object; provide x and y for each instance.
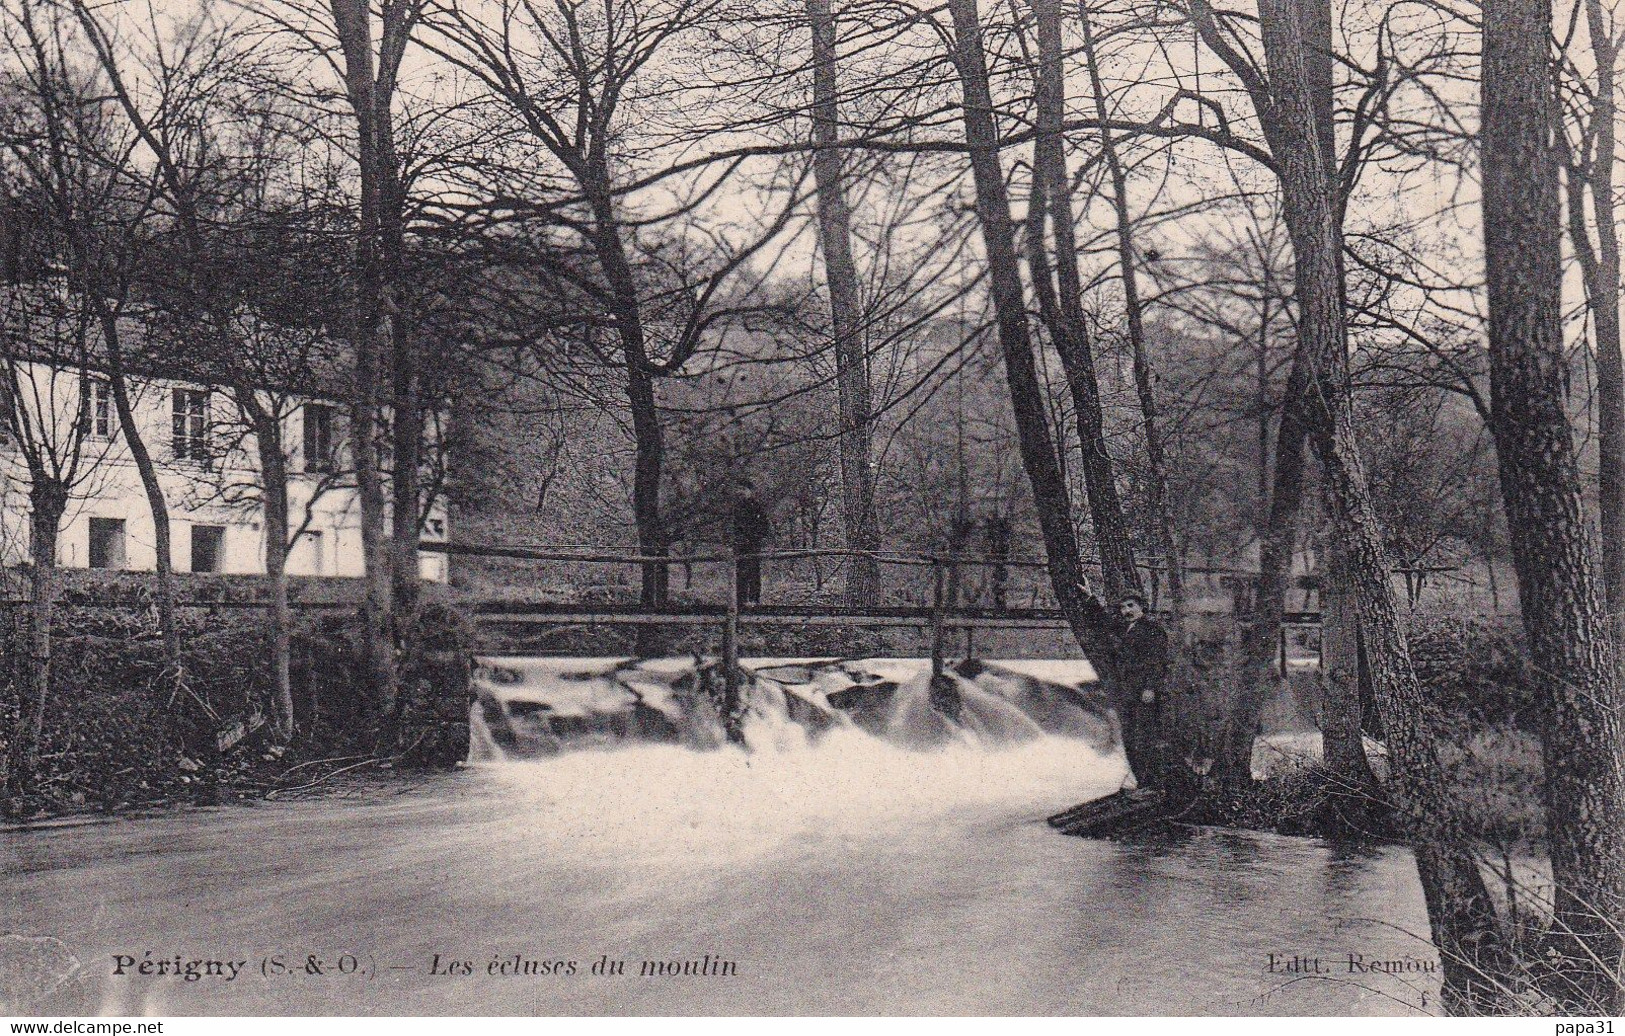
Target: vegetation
(124, 735)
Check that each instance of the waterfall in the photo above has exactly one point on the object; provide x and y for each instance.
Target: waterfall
(530, 707)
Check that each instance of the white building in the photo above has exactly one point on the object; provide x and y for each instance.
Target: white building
(206, 461)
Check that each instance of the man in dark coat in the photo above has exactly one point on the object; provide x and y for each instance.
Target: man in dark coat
(1141, 666)
(996, 538)
(752, 530)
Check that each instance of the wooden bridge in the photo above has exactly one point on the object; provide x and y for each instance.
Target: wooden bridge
(944, 612)
(944, 609)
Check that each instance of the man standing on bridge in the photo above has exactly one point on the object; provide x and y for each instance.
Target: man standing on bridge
(1141, 669)
(752, 530)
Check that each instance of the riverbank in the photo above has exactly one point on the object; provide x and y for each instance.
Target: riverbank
(112, 749)
(124, 736)
(250, 783)
(125, 728)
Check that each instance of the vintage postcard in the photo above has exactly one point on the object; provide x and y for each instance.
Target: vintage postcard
(842, 507)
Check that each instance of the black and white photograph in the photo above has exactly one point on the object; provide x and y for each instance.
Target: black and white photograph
(807, 508)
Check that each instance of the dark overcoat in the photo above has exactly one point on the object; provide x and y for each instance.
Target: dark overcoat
(752, 527)
(1142, 659)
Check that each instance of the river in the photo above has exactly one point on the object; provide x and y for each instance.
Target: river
(838, 875)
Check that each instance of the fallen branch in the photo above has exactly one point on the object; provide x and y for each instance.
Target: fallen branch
(273, 793)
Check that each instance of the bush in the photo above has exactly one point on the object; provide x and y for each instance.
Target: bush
(327, 683)
(1475, 667)
(1493, 774)
(435, 688)
(120, 729)
(118, 724)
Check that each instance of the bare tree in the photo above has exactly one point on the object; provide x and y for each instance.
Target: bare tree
(370, 79)
(1583, 744)
(103, 205)
(46, 356)
(216, 147)
(1462, 915)
(1038, 454)
(1134, 317)
(846, 313)
(1590, 175)
(569, 80)
(1060, 305)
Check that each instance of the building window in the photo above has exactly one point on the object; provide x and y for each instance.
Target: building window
(96, 408)
(107, 543)
(318, 438)
(208, 547)
(190, 430)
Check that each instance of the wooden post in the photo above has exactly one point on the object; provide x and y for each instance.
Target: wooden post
(1283, 649)
(731, 718)
(937, 625)
(944, 695)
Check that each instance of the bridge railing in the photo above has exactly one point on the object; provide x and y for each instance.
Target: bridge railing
(1007, 578)
(945, 606)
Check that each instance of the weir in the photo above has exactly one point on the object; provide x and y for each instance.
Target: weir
(530, 707)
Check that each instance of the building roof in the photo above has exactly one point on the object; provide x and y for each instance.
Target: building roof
(45, 322)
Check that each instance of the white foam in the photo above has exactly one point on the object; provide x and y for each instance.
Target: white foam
(665, 804)
(1071, 672)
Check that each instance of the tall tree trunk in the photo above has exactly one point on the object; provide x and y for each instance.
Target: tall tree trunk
(1266, 411)
(648, 436)
(274, 494)
(48, 499)
(1600, 268)
(1144, 371)
(650, 446)
(1460, 911)
(353, 20)
(377, 642)
(1061, 307)
(1342, 740)
(406, 483)
(1459, 908)
(406, 405)
(1038, 457)
(1583, 741)
(157, 506)
(846, 316)
(1261, 634)
(1277, 537)
(1344, 709)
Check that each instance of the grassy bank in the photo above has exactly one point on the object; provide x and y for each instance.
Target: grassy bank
(1481, 695)
(123, 730)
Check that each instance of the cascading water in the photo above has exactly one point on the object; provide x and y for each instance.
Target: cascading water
(533, 707)
(852, 749)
